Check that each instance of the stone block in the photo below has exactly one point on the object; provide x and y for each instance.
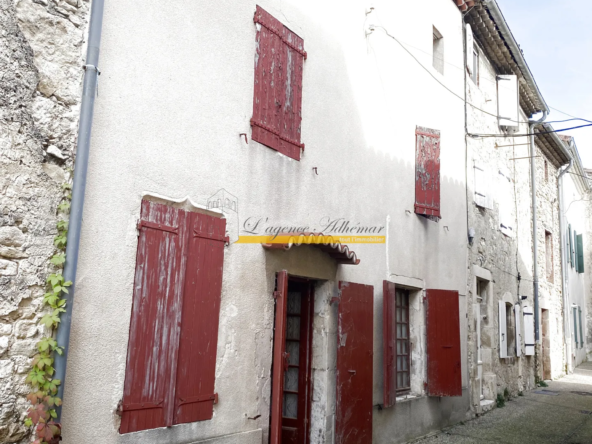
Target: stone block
(23, 347)
(8, 268)
(6, 368)
(4, 344)
(5, 329)
(11, 237)
(12, 253)
(26, 329)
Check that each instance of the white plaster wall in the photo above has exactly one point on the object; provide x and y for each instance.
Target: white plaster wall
(176, 90)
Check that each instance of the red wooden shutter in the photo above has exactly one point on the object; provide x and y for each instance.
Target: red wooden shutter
(443, 331)
(277, 104)
(353, 424)
(194, 397)
(279, 356)
(427, 172)
(389, 343)
(153, 341)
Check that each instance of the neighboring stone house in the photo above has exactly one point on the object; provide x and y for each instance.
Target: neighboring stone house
(40, 72)
(502, 96)
(576, 250)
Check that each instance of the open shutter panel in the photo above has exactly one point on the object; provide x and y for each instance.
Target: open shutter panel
(389, 343)
(508, 100)
(579, 240)
(279, 356)
(153, 341)
(483, 196)
(277, 103)
(518, 317)
(575, 250)
(503, 330)
(195, 397)
(469, 49)
(506, 204)
(581, 333)
(528, 331)
(427, 172)
(443, 343)
(575, 324)
(571, 248)
(353, 422)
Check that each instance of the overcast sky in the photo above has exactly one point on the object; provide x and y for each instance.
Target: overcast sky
(556, 38)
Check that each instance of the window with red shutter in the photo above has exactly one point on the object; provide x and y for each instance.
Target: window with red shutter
(174, 321)
(443, 343)
(427, 172)
(277, 103)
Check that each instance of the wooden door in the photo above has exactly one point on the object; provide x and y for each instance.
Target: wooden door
(353, 423)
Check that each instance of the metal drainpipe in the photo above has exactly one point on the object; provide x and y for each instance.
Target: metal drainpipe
(563, 261)
(89, 91)
(531, 126)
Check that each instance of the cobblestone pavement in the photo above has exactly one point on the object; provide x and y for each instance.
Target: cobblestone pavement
(562, 416)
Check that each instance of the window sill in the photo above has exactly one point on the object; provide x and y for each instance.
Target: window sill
(407, 398)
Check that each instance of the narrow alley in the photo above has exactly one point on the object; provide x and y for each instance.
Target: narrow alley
(558, 414)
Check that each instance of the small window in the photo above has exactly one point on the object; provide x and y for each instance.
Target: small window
(507, 330)
(438, 51)
(549, 256)
(546, 171)
(475, 70)
(403, 343)
(511, 330)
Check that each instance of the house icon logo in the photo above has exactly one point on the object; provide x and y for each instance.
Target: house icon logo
(227, 203)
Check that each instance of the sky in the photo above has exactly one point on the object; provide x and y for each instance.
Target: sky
(556, 39)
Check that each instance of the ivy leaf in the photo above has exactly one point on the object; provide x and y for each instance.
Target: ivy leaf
(64, 206)
(58, 259)
(28, 422)
(38, 413)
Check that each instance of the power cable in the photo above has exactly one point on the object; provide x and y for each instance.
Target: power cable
(477, 136)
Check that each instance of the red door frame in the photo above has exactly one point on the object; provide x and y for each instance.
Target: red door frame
(280, 358)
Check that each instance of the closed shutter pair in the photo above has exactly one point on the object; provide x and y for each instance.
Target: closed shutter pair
(173, 338)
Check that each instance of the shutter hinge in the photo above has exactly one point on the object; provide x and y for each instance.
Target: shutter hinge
(335, 298)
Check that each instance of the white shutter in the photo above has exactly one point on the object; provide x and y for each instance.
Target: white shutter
(503, 333)
(528, 331)
(506, 204)
(470, 45)
(518, 330)
(483, 196)
(507, 100)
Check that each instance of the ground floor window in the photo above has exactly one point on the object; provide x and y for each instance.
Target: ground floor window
(403, 343)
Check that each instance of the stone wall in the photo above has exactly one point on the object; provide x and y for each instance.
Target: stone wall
(41, 43)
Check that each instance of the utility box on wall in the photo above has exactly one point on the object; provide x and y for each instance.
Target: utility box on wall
(508, 102)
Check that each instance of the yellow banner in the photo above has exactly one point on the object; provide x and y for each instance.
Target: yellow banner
(311, 239)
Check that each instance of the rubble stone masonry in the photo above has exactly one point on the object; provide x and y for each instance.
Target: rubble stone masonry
(41, 47)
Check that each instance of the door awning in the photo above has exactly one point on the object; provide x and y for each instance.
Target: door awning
(339, 252)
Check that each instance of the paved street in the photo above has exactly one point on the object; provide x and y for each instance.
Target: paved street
(561, 417)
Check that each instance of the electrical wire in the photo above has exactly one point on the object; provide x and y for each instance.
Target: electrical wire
(404, 46)
(569, 120)
(482, 136)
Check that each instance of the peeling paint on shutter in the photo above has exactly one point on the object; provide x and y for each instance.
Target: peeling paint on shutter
(279, 357)
(195, 397)
(443, 343)
(427, 172)
(389, 343)
(154, 329)
(277, 103)
(528, 331)
(353, 423)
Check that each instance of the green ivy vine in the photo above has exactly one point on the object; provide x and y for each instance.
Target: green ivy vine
(43, 399)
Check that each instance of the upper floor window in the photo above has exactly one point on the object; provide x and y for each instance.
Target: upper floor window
(277, 102)
(438, 51)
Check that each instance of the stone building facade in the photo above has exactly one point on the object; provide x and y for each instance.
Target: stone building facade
(41, 43)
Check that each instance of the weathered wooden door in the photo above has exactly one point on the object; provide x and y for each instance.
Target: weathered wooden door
(353, 423)
(292, 357)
